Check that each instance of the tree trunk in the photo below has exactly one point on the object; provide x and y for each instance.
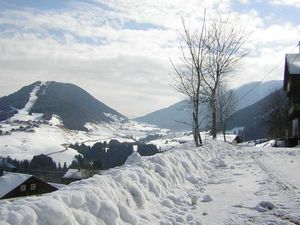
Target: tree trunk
(195, 129)
(199, 138)
(224, 133)
(214, 117)
(196, 137)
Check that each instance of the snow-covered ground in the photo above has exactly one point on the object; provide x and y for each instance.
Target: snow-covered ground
(52, 139)
(215, 184)
(31, 135)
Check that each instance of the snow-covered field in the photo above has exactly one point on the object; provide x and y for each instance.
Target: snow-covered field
(215, 184)
(32, 135)
(53, 139)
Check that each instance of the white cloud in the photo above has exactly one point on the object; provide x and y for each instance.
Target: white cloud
(132, 85)
(95, 47)
(244, 1)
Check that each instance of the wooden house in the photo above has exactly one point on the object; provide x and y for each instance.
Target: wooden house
(230, 138)
(14, 185)
(292, 88)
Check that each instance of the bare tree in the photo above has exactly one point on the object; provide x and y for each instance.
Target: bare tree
(225, 107)
(189, 71)
(208, 56)
(224, 55)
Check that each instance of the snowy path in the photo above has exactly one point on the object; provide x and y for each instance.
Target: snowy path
(249, 178)
(61, 151)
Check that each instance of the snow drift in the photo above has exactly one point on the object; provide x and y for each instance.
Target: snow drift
(146, 190)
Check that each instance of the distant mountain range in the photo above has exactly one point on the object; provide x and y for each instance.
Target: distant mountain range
(173, 117)
(73, 105)
(76, 107)
(258, 92)
(177, 115)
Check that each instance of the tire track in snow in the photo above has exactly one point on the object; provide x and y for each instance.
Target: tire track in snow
(283, 184)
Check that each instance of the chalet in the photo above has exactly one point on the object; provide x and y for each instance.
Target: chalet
(14, 185)
(75, 174)
(230, 138)
(292, 88)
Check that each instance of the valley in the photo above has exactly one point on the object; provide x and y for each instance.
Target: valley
(161, 112)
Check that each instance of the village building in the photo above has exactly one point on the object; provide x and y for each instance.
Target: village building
(14, 185)
(292, 88)
(76, 174)
(230, 138)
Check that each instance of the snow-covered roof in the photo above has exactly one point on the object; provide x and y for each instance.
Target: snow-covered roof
(229, 137)
(10, 181)
(58, 186)
(293, 63)
(75, 174)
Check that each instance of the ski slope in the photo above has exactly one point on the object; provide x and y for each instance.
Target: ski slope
(23, 114)
(215, 184)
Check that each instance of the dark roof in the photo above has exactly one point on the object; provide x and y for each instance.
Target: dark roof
(10, 181)
(292, 67)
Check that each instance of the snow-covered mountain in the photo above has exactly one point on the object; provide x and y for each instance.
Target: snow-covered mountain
(73, 105)
(173, 116)
(45, 117)
(170, 117)
(255, 91)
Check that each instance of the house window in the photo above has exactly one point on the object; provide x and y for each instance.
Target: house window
(32, 187)
(23, 187)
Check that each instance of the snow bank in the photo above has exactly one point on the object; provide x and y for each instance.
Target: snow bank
(264, 206)
(133, 194)
(267, 144)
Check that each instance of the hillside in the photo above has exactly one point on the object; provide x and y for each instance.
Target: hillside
(252, 118)
(9, 105)
(73, 105)
(169, 117)
(260, 91)
(48, 117)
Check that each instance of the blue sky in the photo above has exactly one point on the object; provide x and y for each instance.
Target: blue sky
(278, 13)
(125, 45)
